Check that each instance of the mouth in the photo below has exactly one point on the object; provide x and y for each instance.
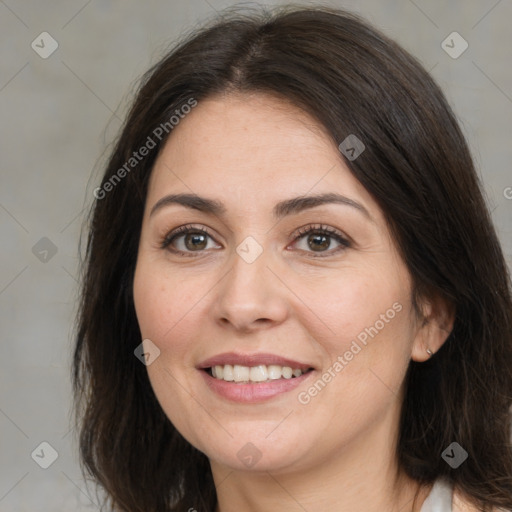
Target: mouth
(252, 378)
(240, 374)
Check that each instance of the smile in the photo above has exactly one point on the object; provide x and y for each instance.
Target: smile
(261, 373)
(250, 378)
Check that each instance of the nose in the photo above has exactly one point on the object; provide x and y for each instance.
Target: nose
(250, 296)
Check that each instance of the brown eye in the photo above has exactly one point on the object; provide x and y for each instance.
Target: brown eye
(195, 241)
(186, 240)
(318, 241)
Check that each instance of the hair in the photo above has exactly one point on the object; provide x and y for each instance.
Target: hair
(417, 166)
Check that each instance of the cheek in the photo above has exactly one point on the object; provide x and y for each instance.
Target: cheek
(162, 303)
(366, 347)
(168, 313)
(366, 319)
(354, 300)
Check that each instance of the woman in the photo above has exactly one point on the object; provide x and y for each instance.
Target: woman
(294, 297)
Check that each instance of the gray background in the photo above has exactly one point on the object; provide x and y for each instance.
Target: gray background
(58, 116)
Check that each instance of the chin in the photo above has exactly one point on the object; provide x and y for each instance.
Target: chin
(260, 453)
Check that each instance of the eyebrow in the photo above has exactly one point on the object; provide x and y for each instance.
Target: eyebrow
(281, 209)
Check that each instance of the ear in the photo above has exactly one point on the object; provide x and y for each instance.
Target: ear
(435, 323)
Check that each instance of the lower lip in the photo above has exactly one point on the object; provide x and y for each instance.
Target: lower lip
(253, 392)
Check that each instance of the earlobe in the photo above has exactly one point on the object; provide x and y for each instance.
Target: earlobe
(436, 324)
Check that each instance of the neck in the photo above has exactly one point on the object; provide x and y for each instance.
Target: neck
(361, 476)
(267, 492)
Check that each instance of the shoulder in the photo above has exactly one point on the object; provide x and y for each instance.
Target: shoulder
(460, 503)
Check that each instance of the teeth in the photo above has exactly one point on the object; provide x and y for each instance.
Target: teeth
(218, 372)
(287, 372)
(227, 372)
(260, 373)
(240, 373)
(274, 372)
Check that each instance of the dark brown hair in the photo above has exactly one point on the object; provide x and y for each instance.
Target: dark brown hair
(417, 166)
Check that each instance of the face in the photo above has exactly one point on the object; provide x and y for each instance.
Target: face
(302, 308)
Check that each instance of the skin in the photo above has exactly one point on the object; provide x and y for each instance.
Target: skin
(335, 453)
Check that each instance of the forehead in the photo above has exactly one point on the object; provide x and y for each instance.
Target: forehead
(248, 148)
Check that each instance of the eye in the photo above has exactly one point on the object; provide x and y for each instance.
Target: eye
(186, 239)
(318, 239)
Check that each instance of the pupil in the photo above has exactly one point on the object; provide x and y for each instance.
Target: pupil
(193, 238)
(324, 241)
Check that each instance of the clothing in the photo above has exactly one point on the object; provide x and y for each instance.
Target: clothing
(440, 498)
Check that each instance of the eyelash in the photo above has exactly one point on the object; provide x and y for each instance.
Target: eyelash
(301, 233)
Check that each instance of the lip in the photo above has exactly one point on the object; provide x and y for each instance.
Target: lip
(255, 391)
(252, 360)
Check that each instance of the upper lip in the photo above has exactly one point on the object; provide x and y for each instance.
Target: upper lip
(233, 358)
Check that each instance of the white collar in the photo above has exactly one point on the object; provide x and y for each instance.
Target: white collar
(440, 498)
